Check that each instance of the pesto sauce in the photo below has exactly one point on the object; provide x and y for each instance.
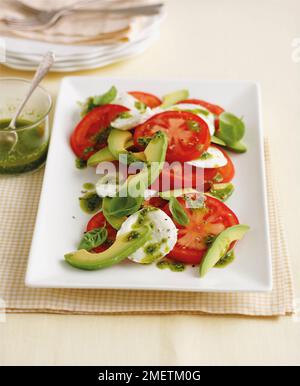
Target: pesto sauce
(222, 194)
(172, 265)
(225, 260)
(152, 252)
(80, 163)
(30, 151)
(142, 217)
(90, 203)
(205, 156)
(88, 186)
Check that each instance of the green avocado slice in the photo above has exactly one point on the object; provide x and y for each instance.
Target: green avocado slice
(173, 98)
(155, 154)
(218, 141)
(220, 246)
(118, 141)
(103, 155)
(123, 246)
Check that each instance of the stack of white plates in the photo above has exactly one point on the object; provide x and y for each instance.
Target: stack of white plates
(23, 54)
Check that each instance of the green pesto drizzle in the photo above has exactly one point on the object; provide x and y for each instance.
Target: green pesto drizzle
(225, 260)
(90, 202)
(172, 265)
(88, 186)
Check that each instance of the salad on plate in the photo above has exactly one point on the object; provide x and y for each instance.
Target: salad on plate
(163, 176)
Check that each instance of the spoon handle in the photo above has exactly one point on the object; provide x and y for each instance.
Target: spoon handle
(41, 72)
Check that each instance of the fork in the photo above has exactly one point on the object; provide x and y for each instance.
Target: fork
(44, 19)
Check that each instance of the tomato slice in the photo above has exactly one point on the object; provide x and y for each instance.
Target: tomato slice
(157, 202)
(89, 135)
(99, 221)
(178, 177)
(215, 109)
(188, 134)
(220, 175)
(149, 100)
(205, 223)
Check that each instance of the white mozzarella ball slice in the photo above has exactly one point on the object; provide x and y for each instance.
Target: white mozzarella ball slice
(126, 100)
(163, 237)
(212, 158)
(131, 119)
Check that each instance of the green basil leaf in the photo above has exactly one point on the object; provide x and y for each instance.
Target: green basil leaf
(99, 100)
(231, 128)
(123, 206)
(106, 98)
(93, 239)
(178, 212)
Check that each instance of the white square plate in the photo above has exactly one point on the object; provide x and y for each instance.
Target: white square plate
(60, 222)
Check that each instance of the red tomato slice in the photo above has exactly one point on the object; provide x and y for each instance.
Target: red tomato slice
(215, 109)
(157, 202)
(220, 175)
(188, 134)
(149, 100)
(86, 138)
(205, 222)
(99, 221)
(178, 177)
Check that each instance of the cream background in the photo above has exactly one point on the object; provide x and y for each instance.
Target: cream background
(201, 39)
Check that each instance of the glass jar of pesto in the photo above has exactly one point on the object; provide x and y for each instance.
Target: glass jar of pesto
(25, 149)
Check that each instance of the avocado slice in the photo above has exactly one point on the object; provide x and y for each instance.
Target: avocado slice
(222, 191)
(173, 98)
(155, 154)
(220, 246)
(119, 141)
(218, 141)
(157, 148)
(237, 147)
(103, 155)
(123, 246)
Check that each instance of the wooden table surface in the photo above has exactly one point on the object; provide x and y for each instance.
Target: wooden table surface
(207, 39)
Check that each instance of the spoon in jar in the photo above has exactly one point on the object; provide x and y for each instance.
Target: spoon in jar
(11, 135)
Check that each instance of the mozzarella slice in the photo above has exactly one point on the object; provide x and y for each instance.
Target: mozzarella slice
(212, 158)
(126, 100)
(163, 238)
(202, 112)
(134, 116)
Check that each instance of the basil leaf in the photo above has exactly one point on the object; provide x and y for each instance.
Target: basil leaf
(231, 128)
(106, 98)
(178, 212)
(93, 239)
(123, 206)
(99, 100)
